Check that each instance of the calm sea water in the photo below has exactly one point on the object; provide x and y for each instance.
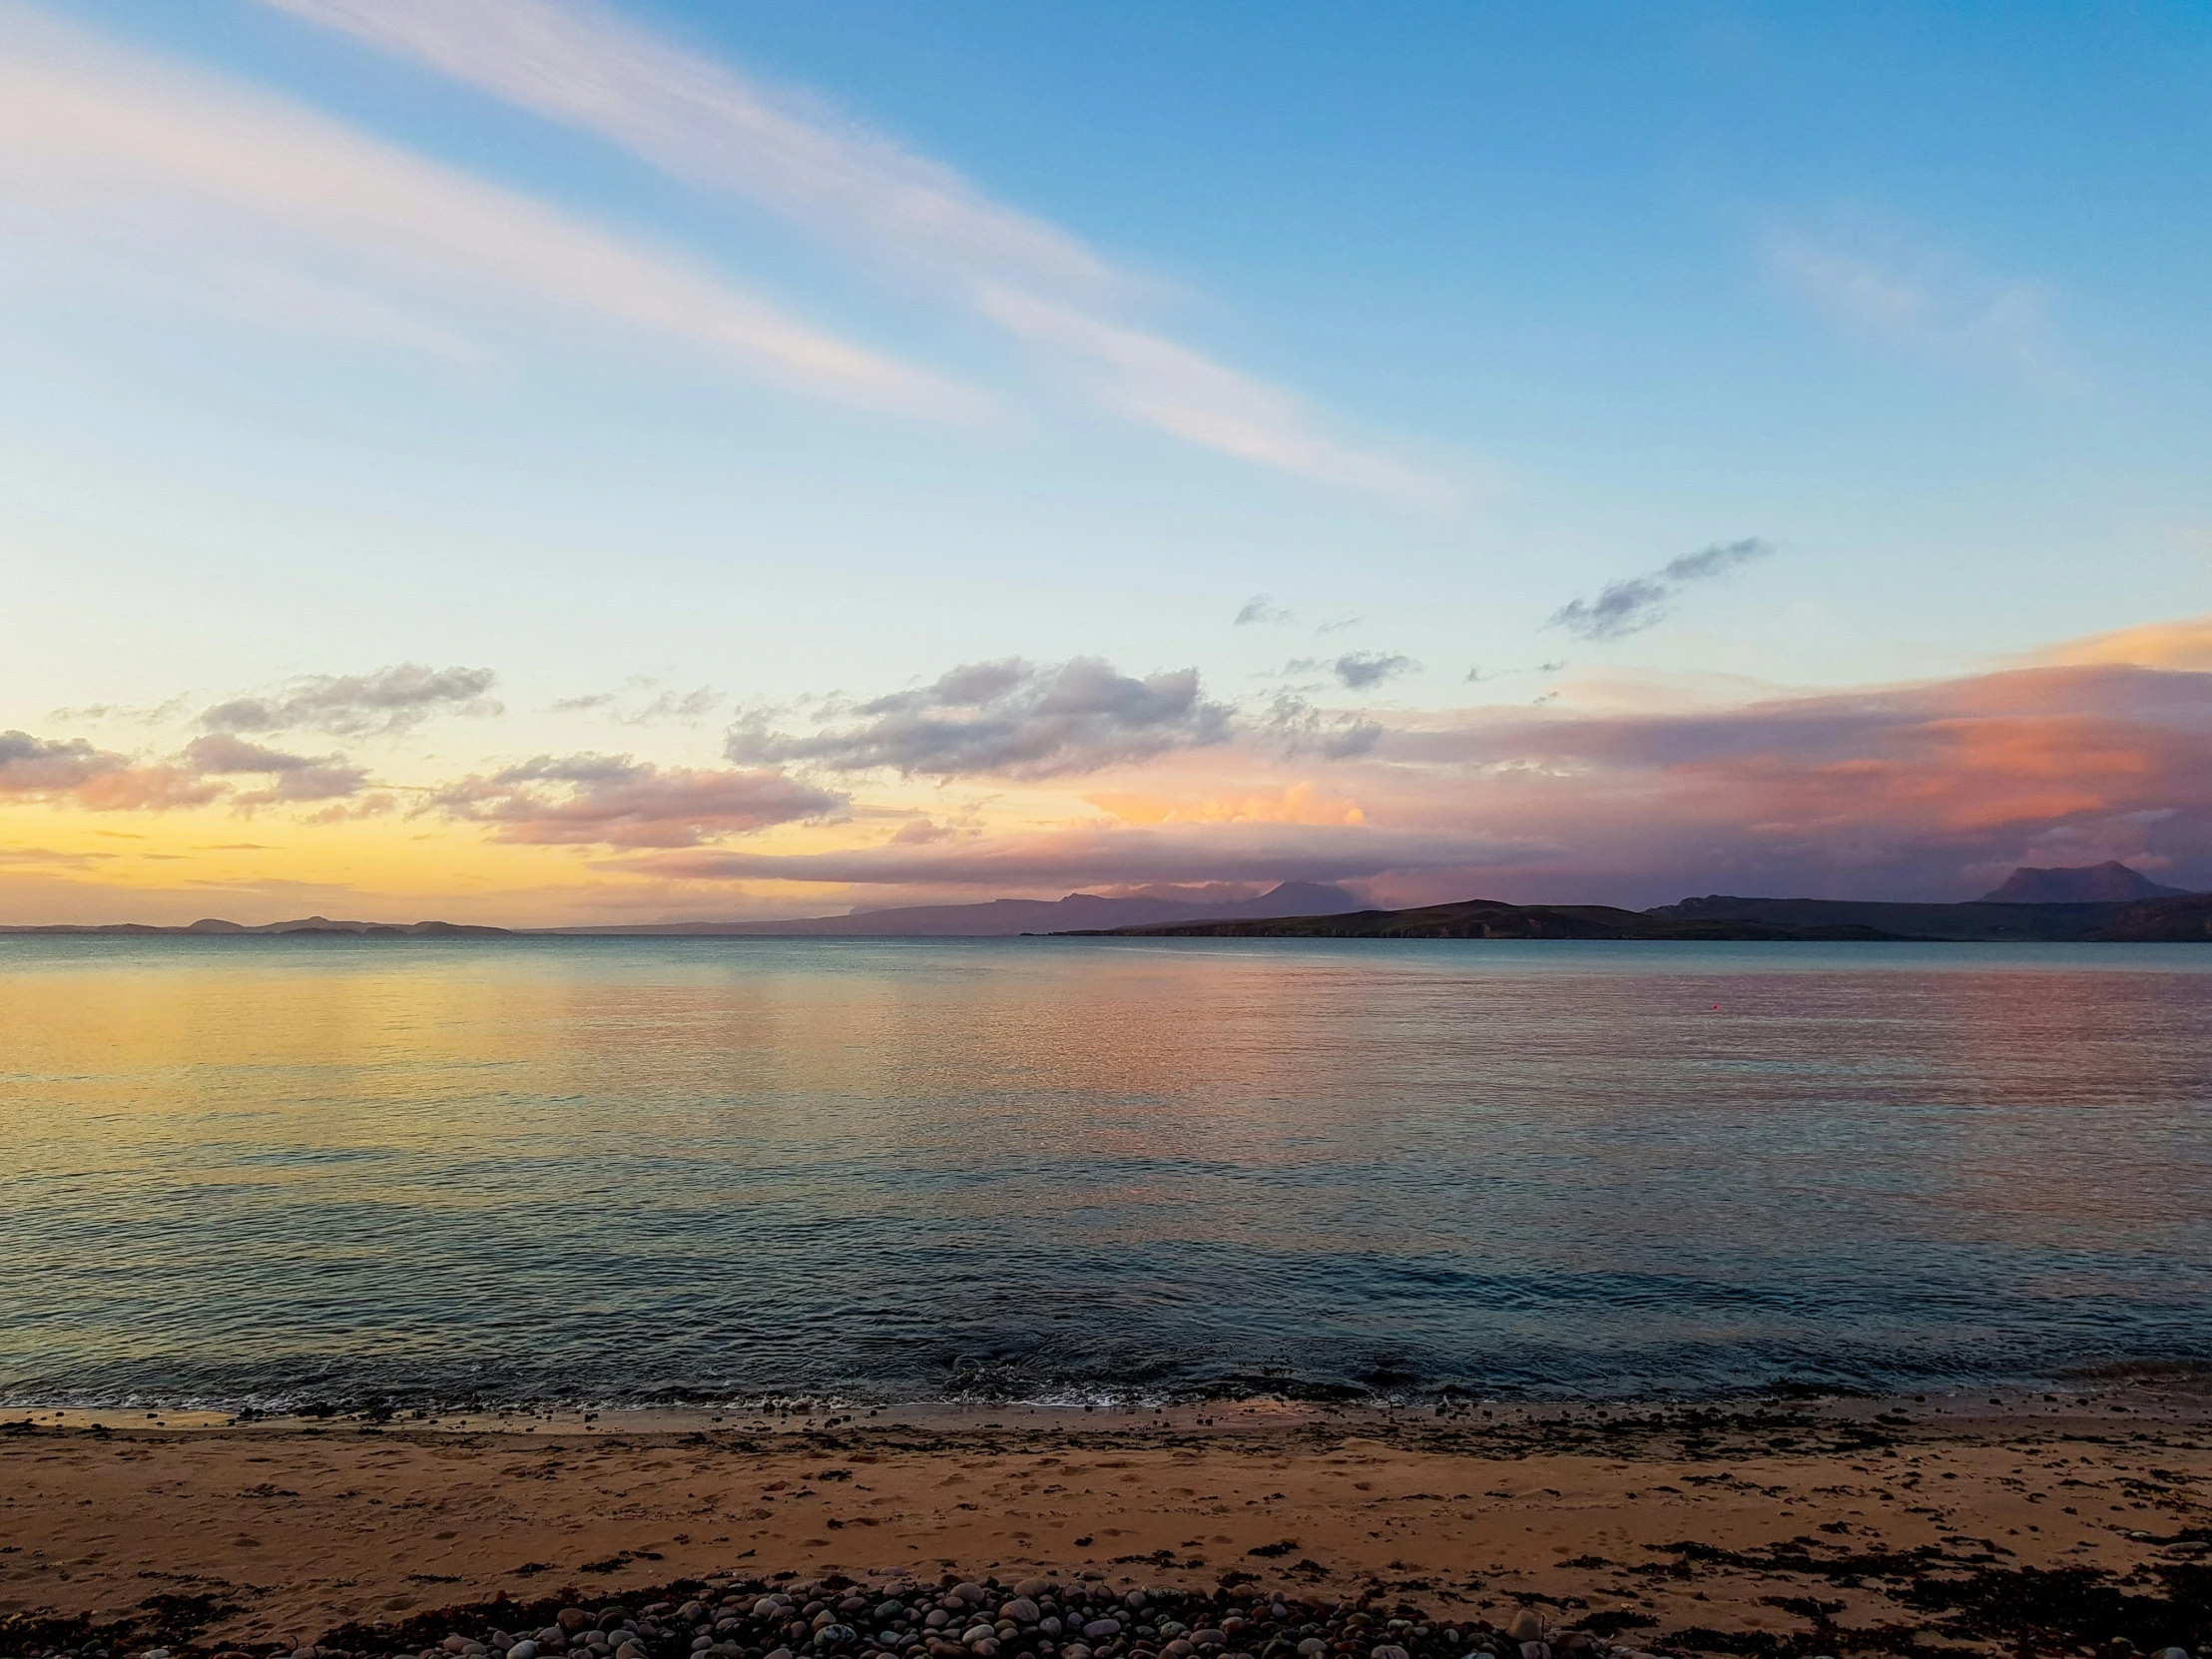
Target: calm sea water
(602, 1170)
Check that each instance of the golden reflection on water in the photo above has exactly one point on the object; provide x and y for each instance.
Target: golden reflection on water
(1947, 1119)
(1163, 1058)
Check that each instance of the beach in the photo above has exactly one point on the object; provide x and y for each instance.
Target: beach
(1776, 1526)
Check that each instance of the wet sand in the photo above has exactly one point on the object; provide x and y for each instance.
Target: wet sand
(1667, 1525)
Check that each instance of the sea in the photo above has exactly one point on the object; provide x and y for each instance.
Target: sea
(276, 1173)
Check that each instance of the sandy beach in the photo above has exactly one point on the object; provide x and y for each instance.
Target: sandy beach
(1783, 1527)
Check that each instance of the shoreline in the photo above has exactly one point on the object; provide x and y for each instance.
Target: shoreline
(1654, 1521)
(2162, 1391)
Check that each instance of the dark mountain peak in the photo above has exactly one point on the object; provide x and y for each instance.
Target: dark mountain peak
(1307, 898)
(2110, 883)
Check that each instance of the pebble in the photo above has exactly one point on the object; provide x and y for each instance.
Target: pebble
(835, 1618)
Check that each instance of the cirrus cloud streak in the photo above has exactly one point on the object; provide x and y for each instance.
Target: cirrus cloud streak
(706, 122)
(233, 193)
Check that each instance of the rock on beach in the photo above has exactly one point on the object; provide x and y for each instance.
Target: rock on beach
(901, 1618)
(898, 1617)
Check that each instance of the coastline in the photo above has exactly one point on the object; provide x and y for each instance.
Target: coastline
(1766, 1524)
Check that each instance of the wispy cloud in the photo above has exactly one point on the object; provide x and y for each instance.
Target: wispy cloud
(2182, 644)
(1293, 726)
(385, 701)
(708, 123)
(1261, 608)
(615, 801)
(1010, 718)
(72, 771)
(54, 858)
(200, 180)
(1356, 670)
(1880, 290)
(291, 777)
(1360, 670)
(1182, 392)
(1639, 602)
(633, 706)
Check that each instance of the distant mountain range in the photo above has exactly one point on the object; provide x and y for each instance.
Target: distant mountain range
(1491, 918)
(2176, 917)
(2101, 903)
(1001, 917)
(215, 925)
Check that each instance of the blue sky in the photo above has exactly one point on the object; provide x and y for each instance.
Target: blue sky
(1065, 332)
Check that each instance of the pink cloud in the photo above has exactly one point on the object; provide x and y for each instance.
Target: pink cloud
(1900, 791)
(70, 771)
(1906, 791)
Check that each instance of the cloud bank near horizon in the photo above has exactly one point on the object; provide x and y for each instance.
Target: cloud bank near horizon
(1090, 776)
(1919, 790)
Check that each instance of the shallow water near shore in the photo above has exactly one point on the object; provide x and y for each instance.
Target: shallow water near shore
(267, 1171)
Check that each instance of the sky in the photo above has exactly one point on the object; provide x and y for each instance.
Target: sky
(538, 461)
